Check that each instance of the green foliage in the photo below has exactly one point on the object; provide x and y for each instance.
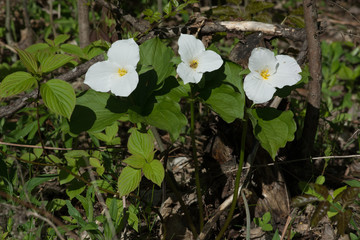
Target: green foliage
(156, 54)
(129, 180)
(272, 128)
(59, 97)
(263, 222)
(16, 83)
(92, 119)
(335, 206)
(141, 146)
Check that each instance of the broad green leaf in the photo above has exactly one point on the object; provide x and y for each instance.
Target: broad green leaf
(15, 83)
(223, 92)
(87, 205)
(338, 191)
(61, 39)
(234, 75)
(104, 185)
(95, 110)
(273, 128)
(154, 171)
(348, 196)
(37, 47)
(276, 235)
(167, 116)
(94, 162)
(267, 227)
(155, 53)
(75, 188)
(38, 151)
(115, 207)
(28, 60)
(135, 161)
(54, 61)
(28, 157)
(343, 219)
(266, 217)
(226, 102)
(75, 213)
(101, 136)
(353, 183)
(55, 204)
(59, 97)
(168, 7)
(319, 213)
(133, 220)
(129, 180)
(66, 176)
(73, 49)
(36, 181)
(320, 180)
(141, 144)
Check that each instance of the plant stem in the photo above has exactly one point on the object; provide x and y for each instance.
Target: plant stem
(196, 163)
(237, 181)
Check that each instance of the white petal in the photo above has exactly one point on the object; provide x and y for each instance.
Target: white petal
(209, 61)
(189, 47)
(261, 59)
(287, 73)
(125, 85)
(187, 74)
(124, 52)
(257, 89)
(99, 75)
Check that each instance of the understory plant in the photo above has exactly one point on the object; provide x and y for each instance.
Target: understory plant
(143, 88)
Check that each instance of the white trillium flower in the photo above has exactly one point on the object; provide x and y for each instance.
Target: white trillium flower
(195, 60)
(117, 74)
(269, 72)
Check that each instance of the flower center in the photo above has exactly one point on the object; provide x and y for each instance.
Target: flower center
(122, 72)
(194, 64)
(265, 74)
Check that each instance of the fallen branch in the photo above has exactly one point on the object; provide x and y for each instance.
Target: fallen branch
(207, 28)
(295, 34)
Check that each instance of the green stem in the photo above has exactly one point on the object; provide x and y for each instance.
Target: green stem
(237, 181)
(196, 163)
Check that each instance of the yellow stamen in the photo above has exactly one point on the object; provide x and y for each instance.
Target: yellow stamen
(265, 74)
(194, 64)
(122, 72)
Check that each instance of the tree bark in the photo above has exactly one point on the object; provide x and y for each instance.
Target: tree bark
(314, 87)
(8, 35)
(83, 19)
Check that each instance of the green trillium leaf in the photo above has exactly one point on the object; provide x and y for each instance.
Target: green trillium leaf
(155, 53)
(273, 128)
